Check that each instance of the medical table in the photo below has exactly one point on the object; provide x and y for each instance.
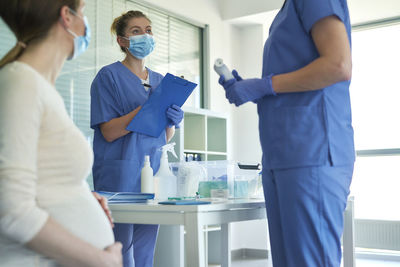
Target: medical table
(195, 217)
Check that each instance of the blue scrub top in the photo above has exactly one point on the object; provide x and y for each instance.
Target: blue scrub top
(115, 92)
(309, 128)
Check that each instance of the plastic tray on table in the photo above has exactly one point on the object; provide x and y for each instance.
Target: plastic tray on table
(125, 197)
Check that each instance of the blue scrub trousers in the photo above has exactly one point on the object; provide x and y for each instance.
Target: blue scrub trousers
(305, 209)
(138, 243)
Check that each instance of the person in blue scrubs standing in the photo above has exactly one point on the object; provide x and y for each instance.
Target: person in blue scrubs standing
(305, 129)
(117, 94)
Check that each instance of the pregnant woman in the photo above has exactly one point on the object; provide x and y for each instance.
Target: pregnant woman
(48, 216)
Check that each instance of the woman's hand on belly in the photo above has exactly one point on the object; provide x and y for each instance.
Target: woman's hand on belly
(103, 203)
(56, 242)
(112, 256)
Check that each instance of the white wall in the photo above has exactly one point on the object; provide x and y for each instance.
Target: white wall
(247, 43)
(231, 9)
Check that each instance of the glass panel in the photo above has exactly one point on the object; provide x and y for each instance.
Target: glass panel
(184, 44)
(159, 59)
(375, 90)
(375, 186)
(108, 50)
(7, 39)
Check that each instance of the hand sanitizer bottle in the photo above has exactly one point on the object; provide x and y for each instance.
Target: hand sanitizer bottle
(165, 181)
(147, 180)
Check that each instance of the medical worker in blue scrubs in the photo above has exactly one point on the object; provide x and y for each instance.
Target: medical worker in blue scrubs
(117, 93)
(305, 129)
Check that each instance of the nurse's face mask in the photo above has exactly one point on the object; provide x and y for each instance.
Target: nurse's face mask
(81, 43)
(140, 46)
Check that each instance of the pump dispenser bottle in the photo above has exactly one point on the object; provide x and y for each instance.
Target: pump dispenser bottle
(147, 180)
(165, 182)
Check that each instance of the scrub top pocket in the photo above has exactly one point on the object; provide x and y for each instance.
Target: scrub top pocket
(298, 137)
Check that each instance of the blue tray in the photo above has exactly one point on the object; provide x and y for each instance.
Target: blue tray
(125, 197)
(184, 202)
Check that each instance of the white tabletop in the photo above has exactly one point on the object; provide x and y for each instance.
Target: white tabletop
(216, 205)
(219, 211)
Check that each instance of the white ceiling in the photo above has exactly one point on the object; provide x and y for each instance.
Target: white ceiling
(250, 12)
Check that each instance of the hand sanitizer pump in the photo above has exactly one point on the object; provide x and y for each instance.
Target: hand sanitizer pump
(165, 182)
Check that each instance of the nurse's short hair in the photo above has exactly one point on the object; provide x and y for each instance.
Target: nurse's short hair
(120, 23)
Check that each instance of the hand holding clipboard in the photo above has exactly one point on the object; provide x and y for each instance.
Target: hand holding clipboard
(152, 119)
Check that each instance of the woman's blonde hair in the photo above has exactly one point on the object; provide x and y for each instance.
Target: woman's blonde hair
(120, 23)
(30, 21)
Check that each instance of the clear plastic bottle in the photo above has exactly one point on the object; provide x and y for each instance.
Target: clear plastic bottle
(147, 179)
(165, 182)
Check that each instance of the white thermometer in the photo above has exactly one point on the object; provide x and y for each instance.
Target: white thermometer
(222, 69)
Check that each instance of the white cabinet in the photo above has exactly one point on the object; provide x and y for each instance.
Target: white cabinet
(203, 133)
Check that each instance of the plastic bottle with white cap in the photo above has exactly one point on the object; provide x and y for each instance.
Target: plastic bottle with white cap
(222, 69)
(147, 180)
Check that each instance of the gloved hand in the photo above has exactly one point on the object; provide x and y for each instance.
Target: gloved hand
(175, 116)
(239, 91)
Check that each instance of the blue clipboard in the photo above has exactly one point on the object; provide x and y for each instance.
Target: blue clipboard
(152, 119)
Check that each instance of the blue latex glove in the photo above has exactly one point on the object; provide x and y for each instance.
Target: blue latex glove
(175, 116)
(239, 91)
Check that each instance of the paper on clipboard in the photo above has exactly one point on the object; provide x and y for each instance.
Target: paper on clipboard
(152, 119)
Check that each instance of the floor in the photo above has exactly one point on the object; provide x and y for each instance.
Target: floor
(359, 263)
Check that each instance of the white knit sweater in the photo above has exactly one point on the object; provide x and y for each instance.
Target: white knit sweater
(44, 160)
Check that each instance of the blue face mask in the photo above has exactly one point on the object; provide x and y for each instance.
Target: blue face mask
(81, 43)
(140, 46)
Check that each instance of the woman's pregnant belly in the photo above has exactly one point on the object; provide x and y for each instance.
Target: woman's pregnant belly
(75, 208)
